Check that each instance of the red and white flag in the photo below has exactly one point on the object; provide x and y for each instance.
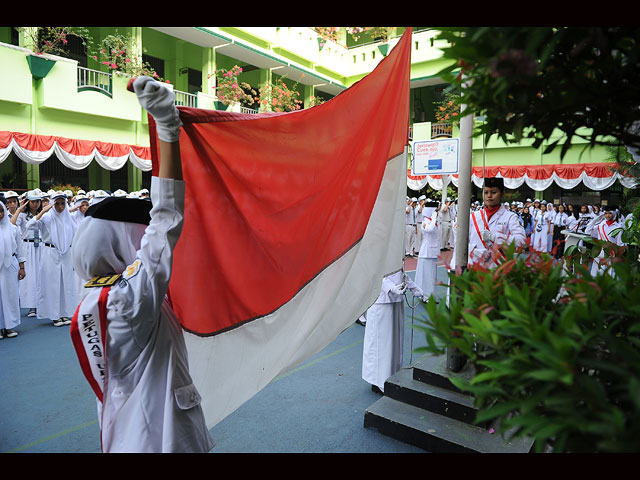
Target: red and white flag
(291, 222)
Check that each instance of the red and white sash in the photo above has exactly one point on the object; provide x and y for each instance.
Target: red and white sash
(88, 334)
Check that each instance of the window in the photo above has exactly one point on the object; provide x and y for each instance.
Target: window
(194, 79)
(154, 62)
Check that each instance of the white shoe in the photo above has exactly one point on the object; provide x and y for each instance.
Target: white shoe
(32, 313)
(10, 333)
(58, 323)
(67, 320)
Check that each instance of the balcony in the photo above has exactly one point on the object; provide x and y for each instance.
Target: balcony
(94, 80)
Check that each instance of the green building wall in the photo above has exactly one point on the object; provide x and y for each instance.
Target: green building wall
(53, 106)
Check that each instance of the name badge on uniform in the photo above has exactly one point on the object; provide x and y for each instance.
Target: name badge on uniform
(102, 281)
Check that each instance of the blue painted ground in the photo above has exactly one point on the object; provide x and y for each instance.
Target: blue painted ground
(319, 407)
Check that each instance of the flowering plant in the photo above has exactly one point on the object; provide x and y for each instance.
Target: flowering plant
(448, 110)
(328, 33)
(52, 40)
(115, 54)
(278, 97)
(356, 32)
(313, 101)
(230, 91)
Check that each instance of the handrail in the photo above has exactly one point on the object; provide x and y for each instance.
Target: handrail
(94, 80)
(185, 99)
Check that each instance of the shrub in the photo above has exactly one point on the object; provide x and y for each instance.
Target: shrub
(556, 350)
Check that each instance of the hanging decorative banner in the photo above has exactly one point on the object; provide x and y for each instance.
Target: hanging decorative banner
(595, 176)
(72, 153)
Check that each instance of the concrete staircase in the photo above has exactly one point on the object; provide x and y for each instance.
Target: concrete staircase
(423, 408)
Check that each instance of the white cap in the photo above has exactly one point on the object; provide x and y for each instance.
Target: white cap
(68, 193)
(59, 194)
(414, 199)
(81, 198)
(422, 197)
(119, 193)
(10, 194)
(34, 195)
(98, 196)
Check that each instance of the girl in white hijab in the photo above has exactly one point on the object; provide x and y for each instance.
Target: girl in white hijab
(29, 208)
(57, 294)
(11, 271)
(129, 342)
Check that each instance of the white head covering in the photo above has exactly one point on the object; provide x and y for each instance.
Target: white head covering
(103, 247)
(7, 238)
(34, 195)
(119, 193)
(61, 226)
(98, 196)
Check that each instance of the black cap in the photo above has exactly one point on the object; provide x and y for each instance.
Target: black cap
(497, 182)
(120, 209)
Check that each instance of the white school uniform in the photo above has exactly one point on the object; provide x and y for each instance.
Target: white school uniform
(10, 257)
(602, 231)
(426, 269)
(503, 223)
(383, 345)
(32, 250)
(540, 235)
(150, 404)
(410, 230)
(57, 292)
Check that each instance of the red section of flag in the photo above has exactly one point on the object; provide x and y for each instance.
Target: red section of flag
(273, 199)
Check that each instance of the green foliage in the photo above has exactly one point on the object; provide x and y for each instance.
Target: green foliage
(556, 351)
(531, 82)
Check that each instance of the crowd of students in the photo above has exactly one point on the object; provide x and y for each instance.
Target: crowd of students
(36, 232)
(543, 222)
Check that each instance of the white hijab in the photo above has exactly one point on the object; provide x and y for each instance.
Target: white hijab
(427, 212)
(7, 238)
(61, 228)
(103, 247)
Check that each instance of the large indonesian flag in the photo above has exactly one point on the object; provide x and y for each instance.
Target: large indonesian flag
(291, 222)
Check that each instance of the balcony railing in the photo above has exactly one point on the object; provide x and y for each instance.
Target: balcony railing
(184, 99)
(247, 110)
(94, 80)
(441, 130)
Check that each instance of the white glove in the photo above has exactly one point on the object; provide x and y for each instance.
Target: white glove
(487, 236)
(398, 289)
(159, 101)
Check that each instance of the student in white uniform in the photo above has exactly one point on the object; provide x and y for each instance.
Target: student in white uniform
(419, 216)
(147, 403)
(551, 215)
(602, 227)
(539, 237)
(11, 200)
(32, 249)
(492, 226)
(560, 223)
(410, 227)
(426, 270)
(11, 272)
(383, 345)
(57, 296)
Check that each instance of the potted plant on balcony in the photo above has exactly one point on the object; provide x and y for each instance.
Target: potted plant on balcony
(279, 97)
(229, 91)
(44, 41)
(447, 114)
(115, 54)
